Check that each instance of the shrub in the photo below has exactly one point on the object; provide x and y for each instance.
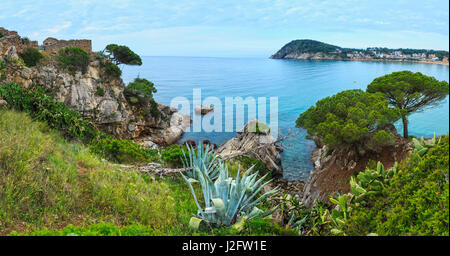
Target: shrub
(25, 40)
(73, 59)
(58, 116)
(173, 155)
(122, 151)
(111, 69)
(247, 162)
(140, 93)
(100, 91)
(31, 56)
(2, 68)
(415, 203)
(42, 107)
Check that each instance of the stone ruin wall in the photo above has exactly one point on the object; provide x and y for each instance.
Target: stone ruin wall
(59, 44)
(12, 38)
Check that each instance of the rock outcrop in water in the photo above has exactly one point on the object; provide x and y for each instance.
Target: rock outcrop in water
(100, 97)
(256, 143)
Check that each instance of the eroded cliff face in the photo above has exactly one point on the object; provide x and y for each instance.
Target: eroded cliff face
(333, 169)
(99, 97)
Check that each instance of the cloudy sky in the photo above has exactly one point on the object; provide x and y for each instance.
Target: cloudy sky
(231, 28)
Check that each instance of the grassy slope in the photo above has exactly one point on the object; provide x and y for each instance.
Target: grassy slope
(49, 186)
(48, 182)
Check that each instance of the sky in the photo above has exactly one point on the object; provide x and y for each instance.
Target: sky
(228, 28)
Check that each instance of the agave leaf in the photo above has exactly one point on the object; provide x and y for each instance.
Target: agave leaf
(219, 206)
(239, 225)
(337, 232)
(195, 222)
(191, 180)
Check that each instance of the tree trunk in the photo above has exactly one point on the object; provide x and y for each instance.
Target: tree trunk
(405, 127)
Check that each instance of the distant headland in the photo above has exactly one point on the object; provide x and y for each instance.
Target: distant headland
(307, 49)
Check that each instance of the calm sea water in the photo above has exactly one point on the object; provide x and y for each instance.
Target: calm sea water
(297, 84)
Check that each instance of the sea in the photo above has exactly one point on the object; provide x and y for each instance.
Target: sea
(295, 84)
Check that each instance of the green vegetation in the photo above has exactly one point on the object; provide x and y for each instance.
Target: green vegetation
(351, 118)
(111, 69)
(122, 151)
(25, 40)
(416, 202)
(100, 229)
(45, 181)
(36, 102)
(409, 199)
(258, 127)
(306, 46)
(73, 59)
(202, 158)
(100, 91)
(246, 162)
(140, 93)
(311, 46)
(51, 187)
(31, 56)
(121, 54)
(227, 201)
(410, 92)
(172, 155)
(2, 68)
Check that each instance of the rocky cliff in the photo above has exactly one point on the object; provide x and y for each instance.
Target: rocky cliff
(333, 168)
(99, 97)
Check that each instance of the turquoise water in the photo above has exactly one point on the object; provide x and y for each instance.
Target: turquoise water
(297, 84)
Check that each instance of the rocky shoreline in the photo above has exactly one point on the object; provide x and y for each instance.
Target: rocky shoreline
(110, 111)
(323, 57)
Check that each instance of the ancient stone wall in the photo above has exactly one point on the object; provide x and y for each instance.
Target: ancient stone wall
(11, 38)
(53, 46)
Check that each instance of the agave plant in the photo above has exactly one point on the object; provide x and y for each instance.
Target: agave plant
(228, 201)
(421, 148)
(204, 159)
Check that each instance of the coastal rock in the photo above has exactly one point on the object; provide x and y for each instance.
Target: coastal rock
(3, 103)
(256, 144)
(203, 110)
(150, 144)
(109, 110)
(12, 53)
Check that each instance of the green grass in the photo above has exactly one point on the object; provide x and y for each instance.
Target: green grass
(48, 182)
(49, 186)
